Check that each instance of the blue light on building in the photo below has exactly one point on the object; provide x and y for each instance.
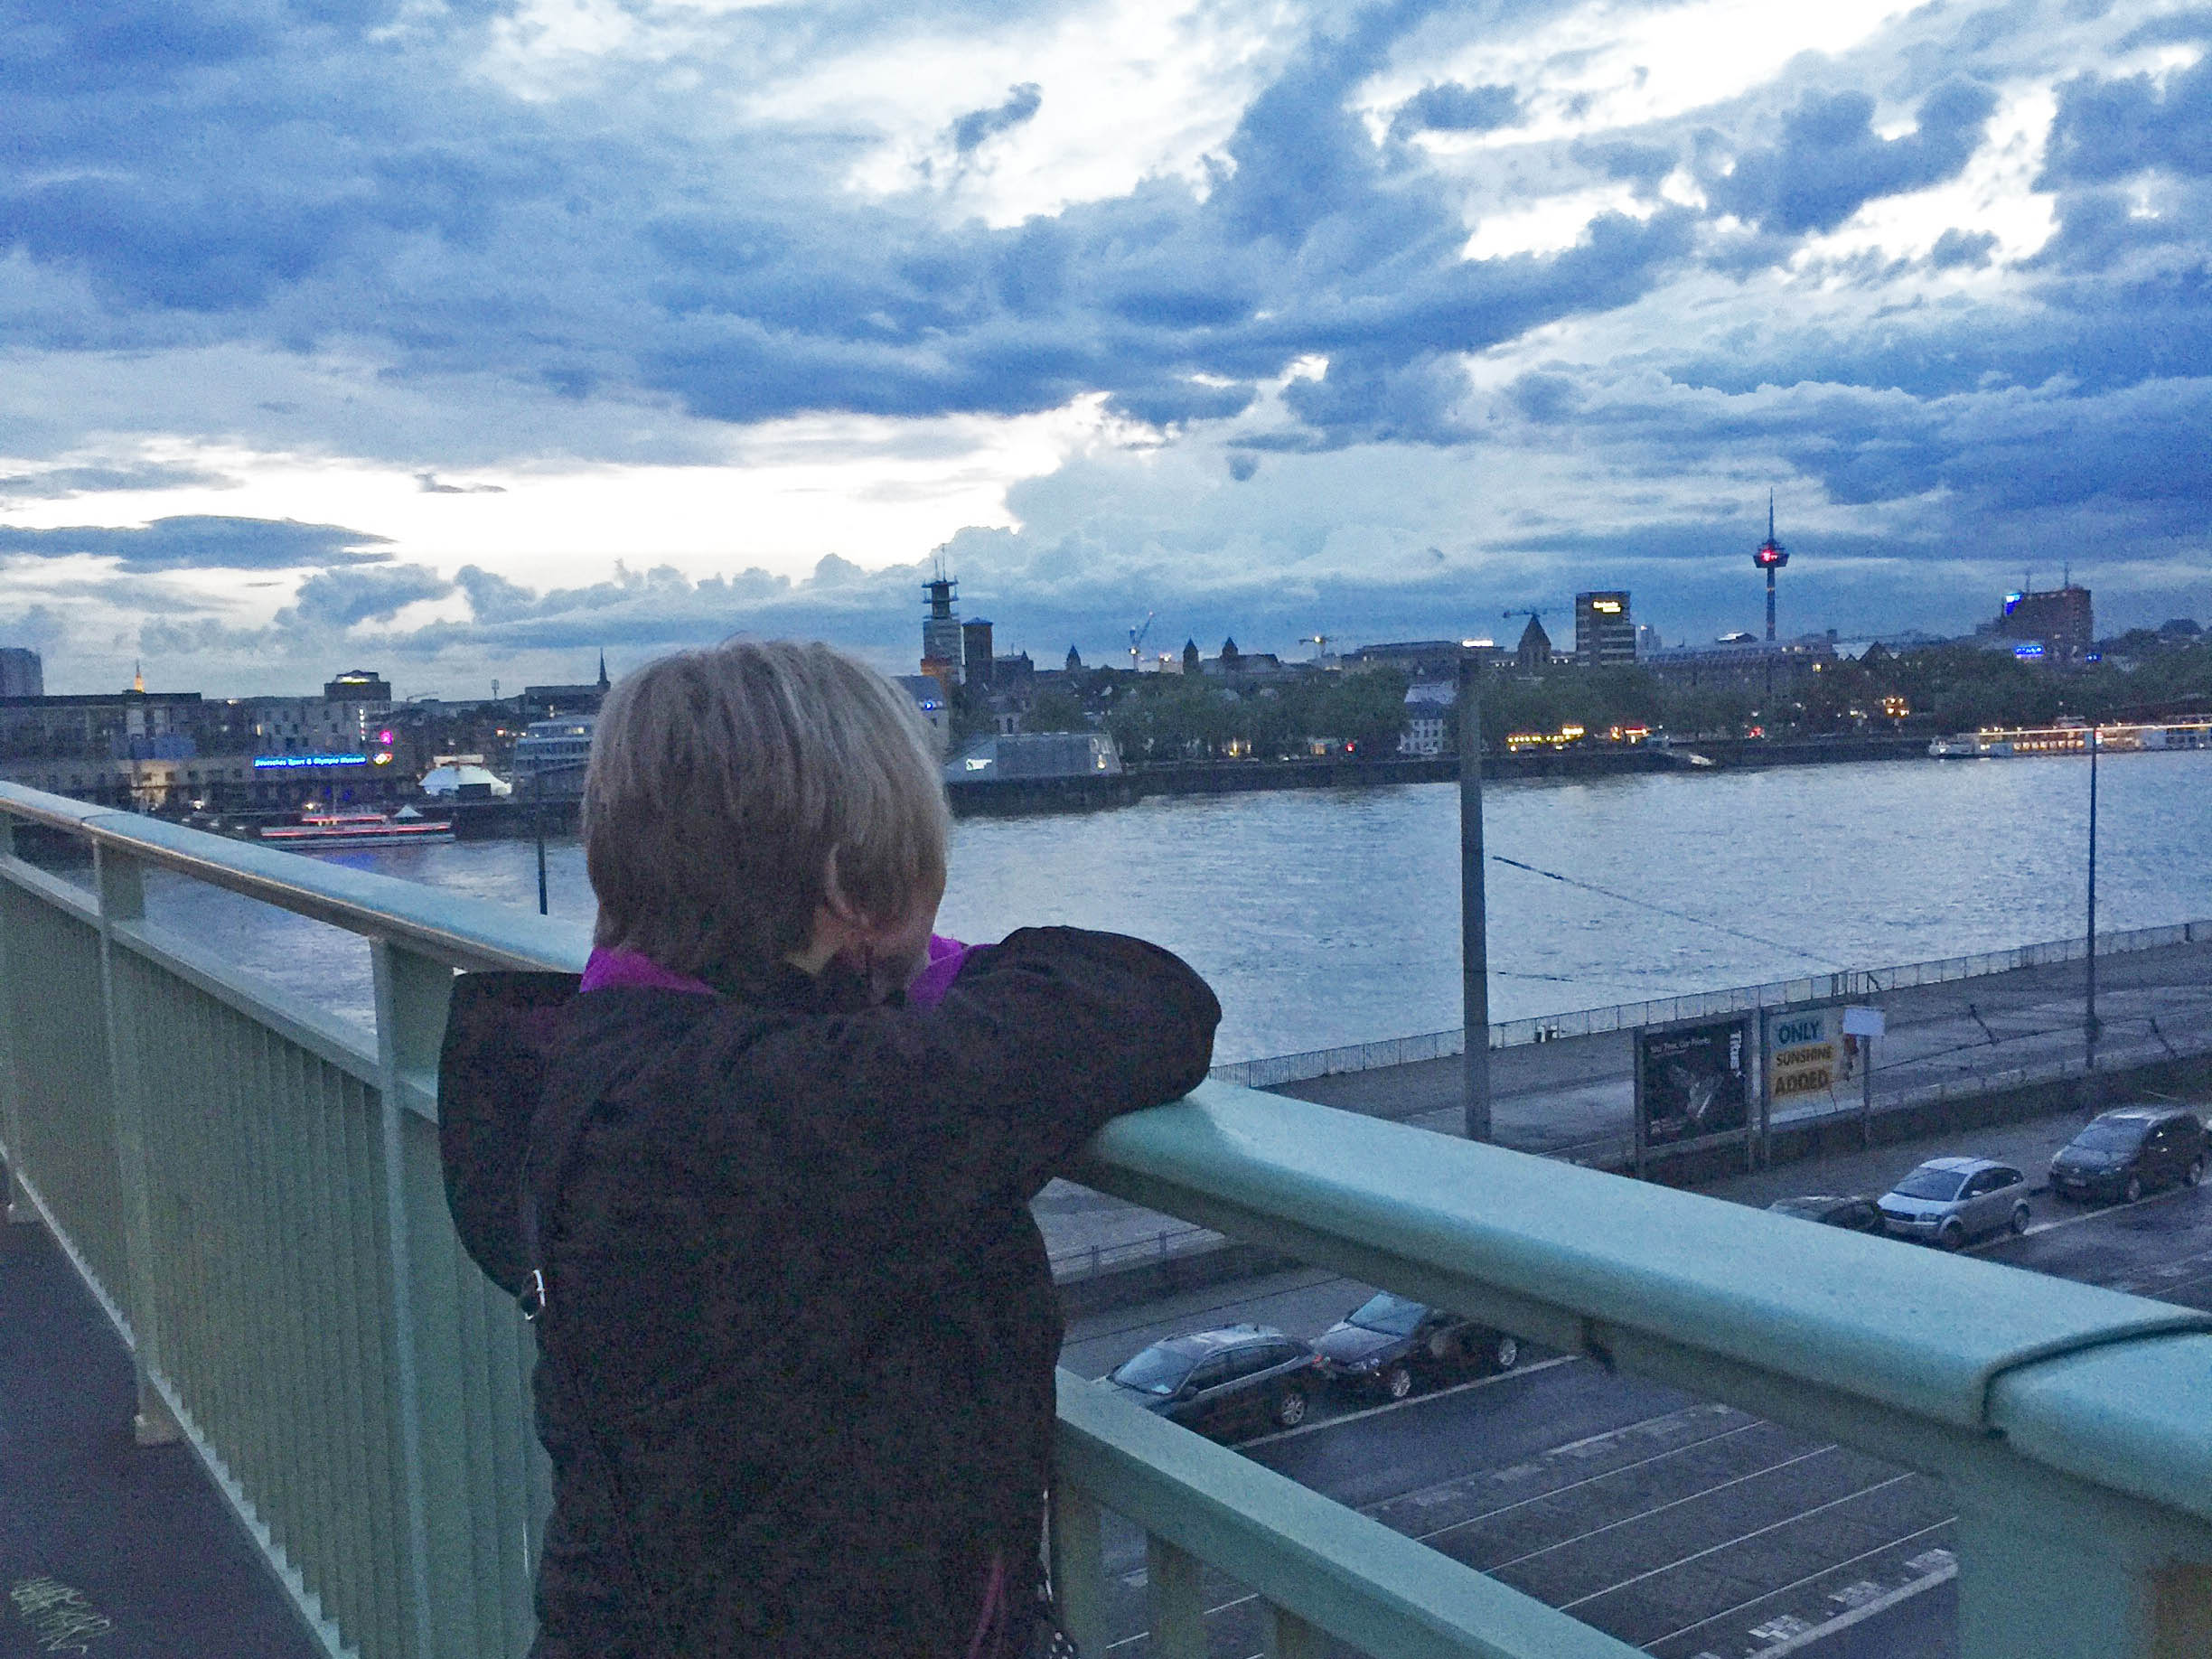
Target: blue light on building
(264, 762)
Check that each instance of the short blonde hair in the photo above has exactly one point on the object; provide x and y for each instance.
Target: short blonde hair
(723, 781)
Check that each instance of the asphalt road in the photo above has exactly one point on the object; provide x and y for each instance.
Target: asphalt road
(1682, 1526)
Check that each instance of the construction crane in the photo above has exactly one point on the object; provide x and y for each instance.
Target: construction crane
(1137, 640)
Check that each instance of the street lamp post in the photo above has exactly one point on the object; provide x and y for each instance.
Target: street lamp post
(1474, 920)
(2090, 1023)
(537, 825)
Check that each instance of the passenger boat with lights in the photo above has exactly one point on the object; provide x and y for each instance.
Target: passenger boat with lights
(318, 830)
(2072, 737)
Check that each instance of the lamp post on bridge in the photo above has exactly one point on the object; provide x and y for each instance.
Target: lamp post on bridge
(1474, 920)
(2091, 1025)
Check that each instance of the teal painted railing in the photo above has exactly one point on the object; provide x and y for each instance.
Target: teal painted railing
(253, 1190)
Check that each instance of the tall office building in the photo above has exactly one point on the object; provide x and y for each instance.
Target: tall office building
(1604, 636)
(21, 674)
(2060, 620)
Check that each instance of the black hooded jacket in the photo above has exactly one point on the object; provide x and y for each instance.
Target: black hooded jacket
(797, 1351)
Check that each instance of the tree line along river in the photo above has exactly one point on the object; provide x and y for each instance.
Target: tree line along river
(1327, 917)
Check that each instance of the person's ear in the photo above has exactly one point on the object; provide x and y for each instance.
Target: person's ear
(834, 899)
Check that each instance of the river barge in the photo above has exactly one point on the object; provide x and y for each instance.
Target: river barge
(318, 832)
(2072, 737)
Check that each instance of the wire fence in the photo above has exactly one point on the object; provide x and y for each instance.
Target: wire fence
(1821, 988)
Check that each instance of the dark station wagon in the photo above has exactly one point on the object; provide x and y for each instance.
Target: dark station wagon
(1856, 1213)
(1238, 1380)
(2125, 1153)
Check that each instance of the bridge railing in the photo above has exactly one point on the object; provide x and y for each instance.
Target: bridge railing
(253, 1189)
(1272, 1071)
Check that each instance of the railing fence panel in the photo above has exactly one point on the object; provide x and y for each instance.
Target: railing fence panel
(65, 1101)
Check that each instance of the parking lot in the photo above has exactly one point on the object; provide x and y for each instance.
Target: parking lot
(1682, 1526)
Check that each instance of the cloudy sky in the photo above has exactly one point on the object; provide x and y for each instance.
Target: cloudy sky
(463, 339)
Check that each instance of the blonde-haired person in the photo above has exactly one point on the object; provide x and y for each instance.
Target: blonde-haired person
(773, 1154)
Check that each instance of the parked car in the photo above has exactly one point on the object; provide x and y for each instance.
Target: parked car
(1237, 1380)
(1857, 1213)
(1387, 1344)
(1949, 1200)
(2124, 1153)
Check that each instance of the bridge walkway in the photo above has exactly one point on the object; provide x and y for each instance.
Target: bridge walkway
(108, 1548)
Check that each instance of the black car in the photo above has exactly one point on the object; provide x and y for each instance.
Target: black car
(2125, 1153)
(1857, 1213)
(1237, 1380)
(1387, 1344)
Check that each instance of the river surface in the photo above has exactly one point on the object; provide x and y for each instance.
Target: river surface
(1326, 917)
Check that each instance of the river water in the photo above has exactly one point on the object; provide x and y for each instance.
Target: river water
(1326, 917)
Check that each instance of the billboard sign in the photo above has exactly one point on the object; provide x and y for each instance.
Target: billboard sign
(1694, 1081)
(1810, 1061)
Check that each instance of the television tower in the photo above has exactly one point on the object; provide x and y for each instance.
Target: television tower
(1770, 557)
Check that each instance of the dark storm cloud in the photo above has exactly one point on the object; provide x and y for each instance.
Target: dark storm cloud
(1021, 106)
(1956, 247)
(2108, 130)
(340, 598)
(286, 174)
(60, 482)
(1454, 108)
(1831, 162)
(201, 543)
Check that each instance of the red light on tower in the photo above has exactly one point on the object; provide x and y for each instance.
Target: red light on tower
(1770, 555)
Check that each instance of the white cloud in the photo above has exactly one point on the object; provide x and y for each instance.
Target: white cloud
(1612, 64)
(1130, 90)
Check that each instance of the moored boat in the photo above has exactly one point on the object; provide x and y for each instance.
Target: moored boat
(317, 830)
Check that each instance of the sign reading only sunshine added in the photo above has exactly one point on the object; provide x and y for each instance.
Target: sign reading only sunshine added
(1809, 1060)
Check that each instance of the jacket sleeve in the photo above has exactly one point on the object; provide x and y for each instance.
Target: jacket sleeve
(1039, 1040)
(491, 1072)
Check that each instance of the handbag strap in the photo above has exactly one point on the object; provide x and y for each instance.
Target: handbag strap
(556, 1131)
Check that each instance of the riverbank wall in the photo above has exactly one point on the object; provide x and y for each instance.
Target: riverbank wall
(1022, 796)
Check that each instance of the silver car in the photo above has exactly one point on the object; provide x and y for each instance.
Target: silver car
(1950, 1199)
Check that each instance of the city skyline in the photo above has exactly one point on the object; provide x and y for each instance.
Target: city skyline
(470, 342)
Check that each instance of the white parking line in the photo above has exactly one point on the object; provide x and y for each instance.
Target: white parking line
(1590, 1480)
(1399, 1405)
(1656, 1509)
(2093, 1214)
(1868, 1609)
(1813, 1578)
(1730, 1543)
(1538, 1497)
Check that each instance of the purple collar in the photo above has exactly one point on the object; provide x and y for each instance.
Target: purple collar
(634, 971)
(609, 970)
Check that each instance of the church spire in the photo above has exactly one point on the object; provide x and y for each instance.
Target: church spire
(602, 674)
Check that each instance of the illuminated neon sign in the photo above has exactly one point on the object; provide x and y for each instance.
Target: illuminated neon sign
(264, 762)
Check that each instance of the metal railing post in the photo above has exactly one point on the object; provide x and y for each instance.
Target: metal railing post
(411, 995)
(1172, 1592)
(16, 1201)
(120, 882)
(2035, 1579)
(1288, 1636)
(1079, 1567)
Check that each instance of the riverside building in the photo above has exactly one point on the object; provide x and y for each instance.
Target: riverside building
(1605, 634)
